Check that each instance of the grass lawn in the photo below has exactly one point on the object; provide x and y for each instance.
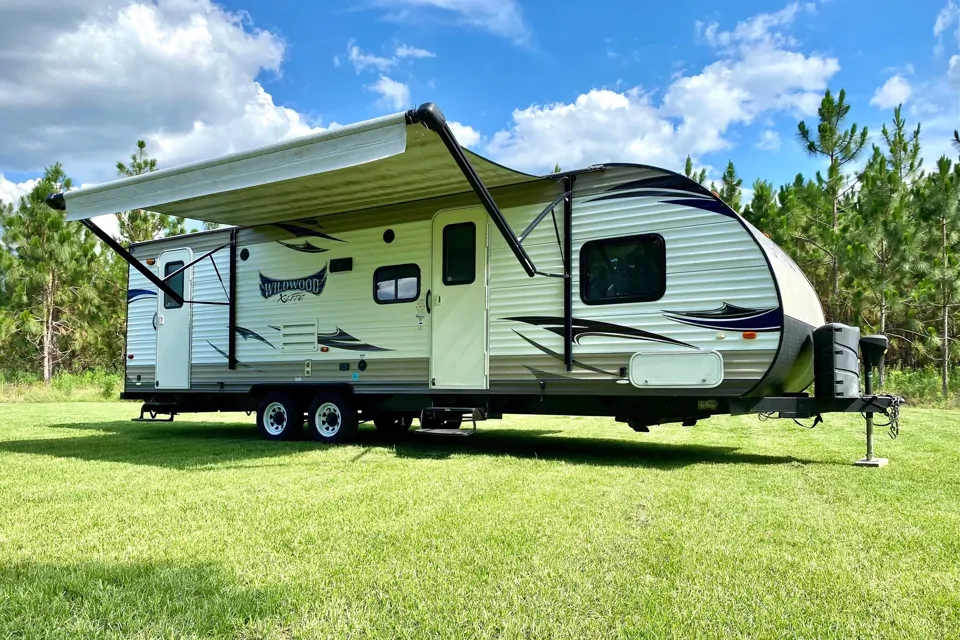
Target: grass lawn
(534, 527)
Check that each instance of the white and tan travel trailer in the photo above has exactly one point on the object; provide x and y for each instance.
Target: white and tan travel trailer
(381, 272)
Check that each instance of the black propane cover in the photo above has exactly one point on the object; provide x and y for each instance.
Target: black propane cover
(836, 368)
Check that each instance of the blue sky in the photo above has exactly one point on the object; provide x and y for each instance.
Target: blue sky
(529, 82)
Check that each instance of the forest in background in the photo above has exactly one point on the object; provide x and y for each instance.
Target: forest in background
(877, 233)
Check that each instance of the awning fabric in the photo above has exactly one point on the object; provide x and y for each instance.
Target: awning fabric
(369, 164)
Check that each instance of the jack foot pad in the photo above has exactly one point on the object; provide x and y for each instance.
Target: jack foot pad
(871, 462)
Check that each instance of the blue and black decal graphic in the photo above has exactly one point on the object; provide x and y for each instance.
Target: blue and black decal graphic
(303, 232)
(312, 284)
(248, 334)
(140, 294)
(340, 339)
(584, 328)
(731, 317)
(303, 247)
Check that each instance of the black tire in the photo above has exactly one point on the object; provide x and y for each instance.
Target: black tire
(332, 418)
(279, 417)
(392, 424)
(434, 422)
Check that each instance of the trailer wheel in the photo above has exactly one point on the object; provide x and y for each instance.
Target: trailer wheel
(332, 418)
(392, 423)
(279, 417)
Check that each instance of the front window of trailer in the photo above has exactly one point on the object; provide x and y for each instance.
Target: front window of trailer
(624, 269)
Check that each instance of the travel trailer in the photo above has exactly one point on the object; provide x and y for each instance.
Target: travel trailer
(381, 272)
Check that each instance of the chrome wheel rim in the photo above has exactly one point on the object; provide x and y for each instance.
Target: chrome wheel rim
(275, 418)
(328, 419)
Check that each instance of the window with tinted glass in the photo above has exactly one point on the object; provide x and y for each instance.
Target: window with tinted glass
(625, 269)
(175, 283)
(459, 253)
(398, 283)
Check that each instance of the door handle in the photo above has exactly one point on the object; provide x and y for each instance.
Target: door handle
(428, 300)
(160, 320)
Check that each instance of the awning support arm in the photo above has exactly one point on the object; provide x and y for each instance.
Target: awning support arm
(543, 214)
(431, 116)
(123, 253)
(195, 261)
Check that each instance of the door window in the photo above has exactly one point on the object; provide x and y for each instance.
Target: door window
(175, 283)
(459, 253)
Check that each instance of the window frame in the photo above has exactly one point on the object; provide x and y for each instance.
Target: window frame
(657, 294)
(396, 283)
(443, 256)
(168, 302)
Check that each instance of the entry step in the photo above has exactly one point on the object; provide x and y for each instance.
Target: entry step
(156, 409)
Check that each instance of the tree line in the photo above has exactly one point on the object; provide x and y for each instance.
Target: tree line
(877, 233)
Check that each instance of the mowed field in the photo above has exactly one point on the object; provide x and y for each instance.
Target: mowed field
(532, 528)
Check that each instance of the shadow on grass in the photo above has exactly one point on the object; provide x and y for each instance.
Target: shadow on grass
(153, 599)
(187, 445)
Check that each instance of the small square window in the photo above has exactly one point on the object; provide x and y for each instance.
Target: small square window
(398, 283)
(175, 283)
(625, 269)
(459, 253)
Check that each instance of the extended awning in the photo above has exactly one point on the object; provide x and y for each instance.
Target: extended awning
(395, 159)
(383, 161)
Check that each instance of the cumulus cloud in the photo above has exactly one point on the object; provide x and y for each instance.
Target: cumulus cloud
(758, 71)
(467, 136)
(896, 90)
(10, 192)
(394, 94)
(180, 73)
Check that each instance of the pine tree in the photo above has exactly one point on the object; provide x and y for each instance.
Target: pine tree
(139, 225)
(697, 176)
(941, 265)
(730, 191)
(840, 147)
(47, 265)
(884, 225)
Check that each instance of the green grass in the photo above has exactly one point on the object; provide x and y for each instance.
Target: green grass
(534, 527)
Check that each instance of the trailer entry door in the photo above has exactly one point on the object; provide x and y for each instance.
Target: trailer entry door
(173, 322)
(458, 300)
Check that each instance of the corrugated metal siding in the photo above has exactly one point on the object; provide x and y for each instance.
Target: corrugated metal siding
(711, 260)
(391, 332)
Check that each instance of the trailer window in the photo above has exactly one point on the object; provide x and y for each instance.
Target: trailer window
(398, 283)
(459, 253)
(625, 269)
(176, 283)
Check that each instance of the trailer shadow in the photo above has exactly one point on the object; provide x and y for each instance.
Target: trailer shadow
(189, 445)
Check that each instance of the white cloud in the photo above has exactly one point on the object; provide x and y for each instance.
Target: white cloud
(947, 18)
(757, 29)
(500, 17)
(953, 71)
(362, 61)
(181, 74)
(394, 94)
(758, 72)
(406, 51)
(467, 136)
(769, 140)
(896, 90)
(10, 192)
